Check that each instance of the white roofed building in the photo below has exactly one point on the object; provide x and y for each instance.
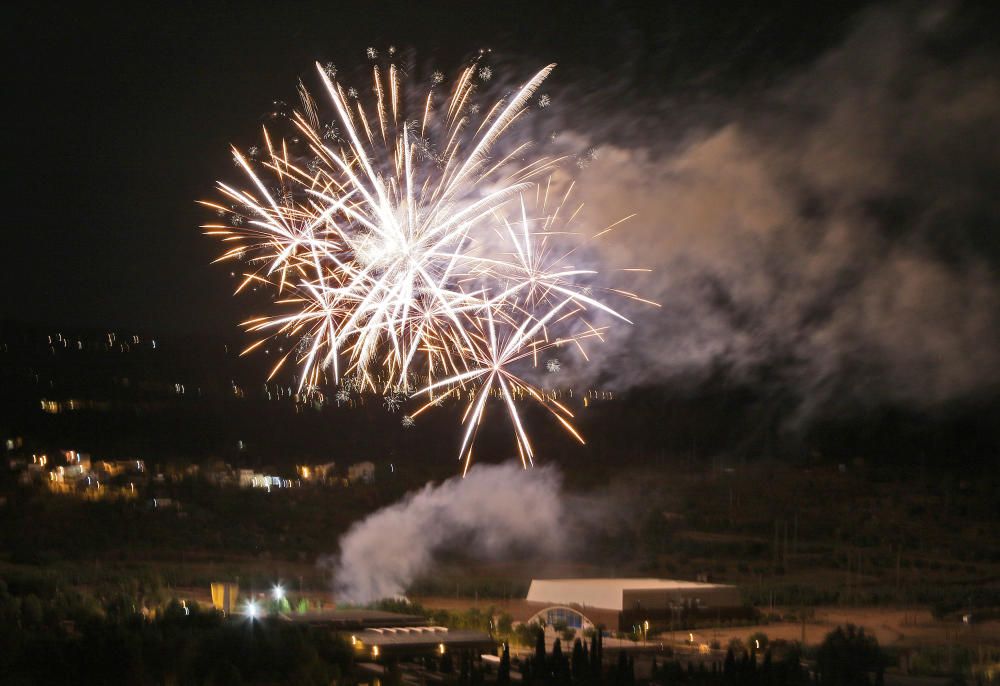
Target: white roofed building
(583, 602)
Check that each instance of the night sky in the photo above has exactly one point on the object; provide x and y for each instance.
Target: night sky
(122, 118)
(815, 183)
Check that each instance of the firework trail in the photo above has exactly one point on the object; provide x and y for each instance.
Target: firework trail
(411, 255)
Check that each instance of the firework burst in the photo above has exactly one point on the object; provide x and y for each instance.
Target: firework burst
(398, 240)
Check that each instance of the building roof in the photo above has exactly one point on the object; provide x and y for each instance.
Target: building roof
(426, 640)
(354, 619)
(602, 593)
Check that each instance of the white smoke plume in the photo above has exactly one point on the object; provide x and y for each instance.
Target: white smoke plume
(495, 509)
(835, 230)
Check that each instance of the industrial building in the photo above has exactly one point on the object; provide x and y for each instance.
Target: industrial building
(417, 641)
(622, 604)
(375, 635)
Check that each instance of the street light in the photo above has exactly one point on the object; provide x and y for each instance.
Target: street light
(277, 592)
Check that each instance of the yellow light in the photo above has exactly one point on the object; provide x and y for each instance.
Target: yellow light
(441, 648)
(374, 651)
(354, 640)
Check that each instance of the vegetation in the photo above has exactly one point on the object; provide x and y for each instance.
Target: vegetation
(66, 638)
(849, 657)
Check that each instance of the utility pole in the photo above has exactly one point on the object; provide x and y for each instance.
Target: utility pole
(899, 555)
(795, 534)
(784, 561)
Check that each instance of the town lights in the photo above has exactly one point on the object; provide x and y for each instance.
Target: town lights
(277, 592)
(441, 648)
(374, 651)
(252, 610)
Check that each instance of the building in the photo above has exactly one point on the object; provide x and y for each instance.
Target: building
(317, 473)
(415, 641)
(245, 478)
(363, 472)
(623, 604)
(375, 635)
(224, 596)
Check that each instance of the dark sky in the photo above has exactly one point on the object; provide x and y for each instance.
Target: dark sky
(119, 119)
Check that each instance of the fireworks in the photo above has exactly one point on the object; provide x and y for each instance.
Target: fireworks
(393, 401)
(409, 239)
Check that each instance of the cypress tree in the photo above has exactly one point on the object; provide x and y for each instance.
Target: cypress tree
(578, 661)
(621, 669)
(557, 655)
(729, 667)
(595, 665)
(503, 671)
(463, 675)
(540, 653)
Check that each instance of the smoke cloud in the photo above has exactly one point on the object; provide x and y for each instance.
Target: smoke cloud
(495, 509)
(834, 234)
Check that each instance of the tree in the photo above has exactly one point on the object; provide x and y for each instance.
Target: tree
(503, 671)
(464, 669)
(31, 611)
(578, 661)
(847, 656)
(620, 668)
(225, 674)
(539, 665)
(729, 667)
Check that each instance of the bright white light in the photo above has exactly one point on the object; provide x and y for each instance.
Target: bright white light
(277, 592)
(252, 610)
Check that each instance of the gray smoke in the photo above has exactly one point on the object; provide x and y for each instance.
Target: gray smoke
(495, 509)
(837, 230)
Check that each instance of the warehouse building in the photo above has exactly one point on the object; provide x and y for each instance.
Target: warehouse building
(623, 604)
(376, 635)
